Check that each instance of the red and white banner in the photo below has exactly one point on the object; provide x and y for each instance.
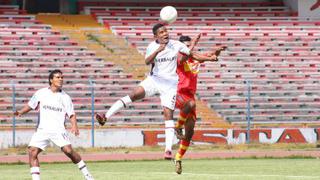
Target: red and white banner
(150, 137)
(239, 136)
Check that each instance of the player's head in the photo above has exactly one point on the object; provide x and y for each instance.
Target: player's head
(161, 34)
(56, 78)
(186, 40)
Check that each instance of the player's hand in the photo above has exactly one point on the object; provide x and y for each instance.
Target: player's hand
(17, 113)
(161, 47)
(219, 50)
(222, 48)
(198, 36)
(213, 58)
(196, 39)
(74, 130)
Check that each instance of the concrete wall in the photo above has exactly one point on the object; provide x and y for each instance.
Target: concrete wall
(152, 137)
(177, 1)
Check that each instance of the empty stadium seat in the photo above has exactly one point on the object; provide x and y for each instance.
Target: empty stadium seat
(267, 44)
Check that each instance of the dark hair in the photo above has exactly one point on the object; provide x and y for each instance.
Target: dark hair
(184, 38)
(156, 27)
(52, 73)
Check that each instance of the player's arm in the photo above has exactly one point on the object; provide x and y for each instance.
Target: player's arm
(72, 115)
(32, 104)
(23, 111)
(194, 41)
(218, 51)
(215, 54)
(202, 57)
(151, 57)
(74, 125)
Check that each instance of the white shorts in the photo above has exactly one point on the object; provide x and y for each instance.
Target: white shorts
(166, 88)
(41, 139)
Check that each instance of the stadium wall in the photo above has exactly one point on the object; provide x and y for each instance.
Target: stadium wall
(176, 1)
(141, 137)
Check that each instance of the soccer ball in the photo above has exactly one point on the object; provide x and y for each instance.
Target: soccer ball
(168, 14)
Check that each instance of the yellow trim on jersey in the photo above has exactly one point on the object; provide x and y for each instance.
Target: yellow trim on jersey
(178, 156)
(183, 147)
(192, 67)
(182, 118)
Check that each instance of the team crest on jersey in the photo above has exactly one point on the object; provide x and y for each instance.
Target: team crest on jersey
(192, 67)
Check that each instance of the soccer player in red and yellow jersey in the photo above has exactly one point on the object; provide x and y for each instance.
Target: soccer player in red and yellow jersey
(187, 70)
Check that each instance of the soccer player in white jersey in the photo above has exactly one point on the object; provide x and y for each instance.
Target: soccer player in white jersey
(162, 55)
(53, 105)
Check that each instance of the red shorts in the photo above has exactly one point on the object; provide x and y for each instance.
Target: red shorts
(182, 98)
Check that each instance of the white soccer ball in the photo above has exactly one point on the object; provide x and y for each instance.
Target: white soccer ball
(168, 14)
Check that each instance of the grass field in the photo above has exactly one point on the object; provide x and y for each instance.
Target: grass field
(235, 169)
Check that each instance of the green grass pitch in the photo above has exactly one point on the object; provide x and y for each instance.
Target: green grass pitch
(229, 169)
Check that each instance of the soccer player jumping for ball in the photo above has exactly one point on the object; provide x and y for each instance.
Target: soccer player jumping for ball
(54, 105)
(162, 55)
(187, 70)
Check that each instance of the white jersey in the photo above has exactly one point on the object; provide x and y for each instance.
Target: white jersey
(53, 109)
(165, 63)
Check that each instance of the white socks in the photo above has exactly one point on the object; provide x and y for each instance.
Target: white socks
(169, 132)
(123, 102)
(35, 173)
(83, 168)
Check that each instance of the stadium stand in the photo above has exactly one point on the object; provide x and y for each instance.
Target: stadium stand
(30, 50)
(267, 44)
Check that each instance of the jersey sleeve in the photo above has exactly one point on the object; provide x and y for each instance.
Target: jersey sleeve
(184, 49)
(69, 106)
(150, 50)
(34, 101)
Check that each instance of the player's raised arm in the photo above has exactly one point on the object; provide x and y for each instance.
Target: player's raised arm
(194, 41)
(202, 57)
(218, 51)
(213, 56)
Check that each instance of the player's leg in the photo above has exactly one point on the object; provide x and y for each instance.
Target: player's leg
(169, 132)
(34, 162)
(189, 131)
(38, 143)
(187, 107)
(136, 94)
(184, 143)
(168, 93)
(76, 159)
(62, 140)
(180, 103)
(145, 88)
